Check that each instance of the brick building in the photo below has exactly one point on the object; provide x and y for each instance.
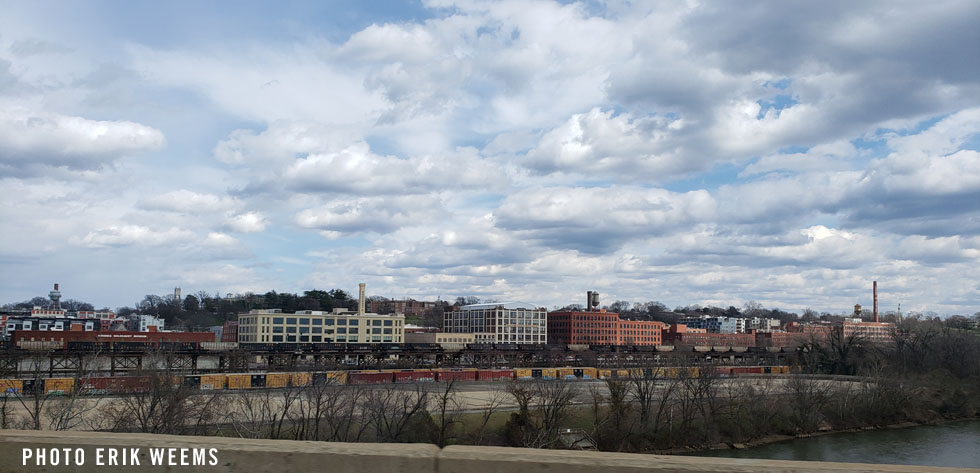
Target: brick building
(680, 334)
(601, 328)
(877, 332)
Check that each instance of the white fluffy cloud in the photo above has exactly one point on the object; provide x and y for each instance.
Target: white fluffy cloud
(30, 139)
(248, 222)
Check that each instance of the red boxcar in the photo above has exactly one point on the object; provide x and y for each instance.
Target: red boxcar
(747, 370)
(369, 378)
(494, 375)
(414, 376)
(115, 384)
(461, 375)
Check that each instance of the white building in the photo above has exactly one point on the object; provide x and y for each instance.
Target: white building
(506, 322)
(143, 322)
(763, 324)
(314, 326)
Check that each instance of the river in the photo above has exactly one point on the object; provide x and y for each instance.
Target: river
(955, 444)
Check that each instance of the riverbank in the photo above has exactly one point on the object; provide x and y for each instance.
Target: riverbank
(777, 438)
(951, 444)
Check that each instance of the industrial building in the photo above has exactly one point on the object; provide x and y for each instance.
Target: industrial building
(506, 322)
(680, 334)
(314, 326)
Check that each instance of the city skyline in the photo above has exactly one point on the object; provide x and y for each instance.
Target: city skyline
(689, 154)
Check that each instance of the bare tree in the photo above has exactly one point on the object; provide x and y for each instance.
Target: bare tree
(494, 401)
(542, 407)
(397, 415)
(808, 396)
(448, 410)
(160, 403)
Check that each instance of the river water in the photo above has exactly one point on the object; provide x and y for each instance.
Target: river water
(956, 444)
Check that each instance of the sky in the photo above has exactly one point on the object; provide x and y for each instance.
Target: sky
(713, 153)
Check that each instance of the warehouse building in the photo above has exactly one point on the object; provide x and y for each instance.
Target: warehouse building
(314, 326)
(601, 328)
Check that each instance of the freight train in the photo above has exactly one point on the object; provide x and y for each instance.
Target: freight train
(239, 381)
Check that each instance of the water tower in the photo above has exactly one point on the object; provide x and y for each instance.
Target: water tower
(55, 296)
(591, 301)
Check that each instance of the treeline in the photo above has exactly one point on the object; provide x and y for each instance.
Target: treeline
(71, 305)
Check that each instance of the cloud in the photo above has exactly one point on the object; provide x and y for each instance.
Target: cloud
(371, 214)
(32, 47)
(248, 222)
(602, 144)
(598, 220)
(187, 201)
(131, 235)
(29, 139)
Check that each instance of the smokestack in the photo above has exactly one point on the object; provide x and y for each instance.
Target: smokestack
(588, 301)
(875, 290)
(360, 299)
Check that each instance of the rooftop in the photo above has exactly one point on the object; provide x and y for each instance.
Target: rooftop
(506, 305)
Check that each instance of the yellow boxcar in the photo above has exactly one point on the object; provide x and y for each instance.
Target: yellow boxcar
(523, 373)
(605, 374)
(239, 381)
(566, 373)
(549, 373)
(276, 380)
(300, 379)
(58, 385)
(11, 386)
(212, 382)
(590, 373)
(336, 377)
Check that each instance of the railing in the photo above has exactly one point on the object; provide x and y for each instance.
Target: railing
(21, 451)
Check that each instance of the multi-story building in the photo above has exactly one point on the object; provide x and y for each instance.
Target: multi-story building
(408, 307)
(48, 324)
(145, 323)
(878, 332)
(680, 334)
(38, 311)
(711, 323)
(229, 331)
(314, 326)
(763, 324)
(507, 322)
(600, 328)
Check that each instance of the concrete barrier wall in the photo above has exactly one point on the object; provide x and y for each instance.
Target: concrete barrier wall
(284, 456)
